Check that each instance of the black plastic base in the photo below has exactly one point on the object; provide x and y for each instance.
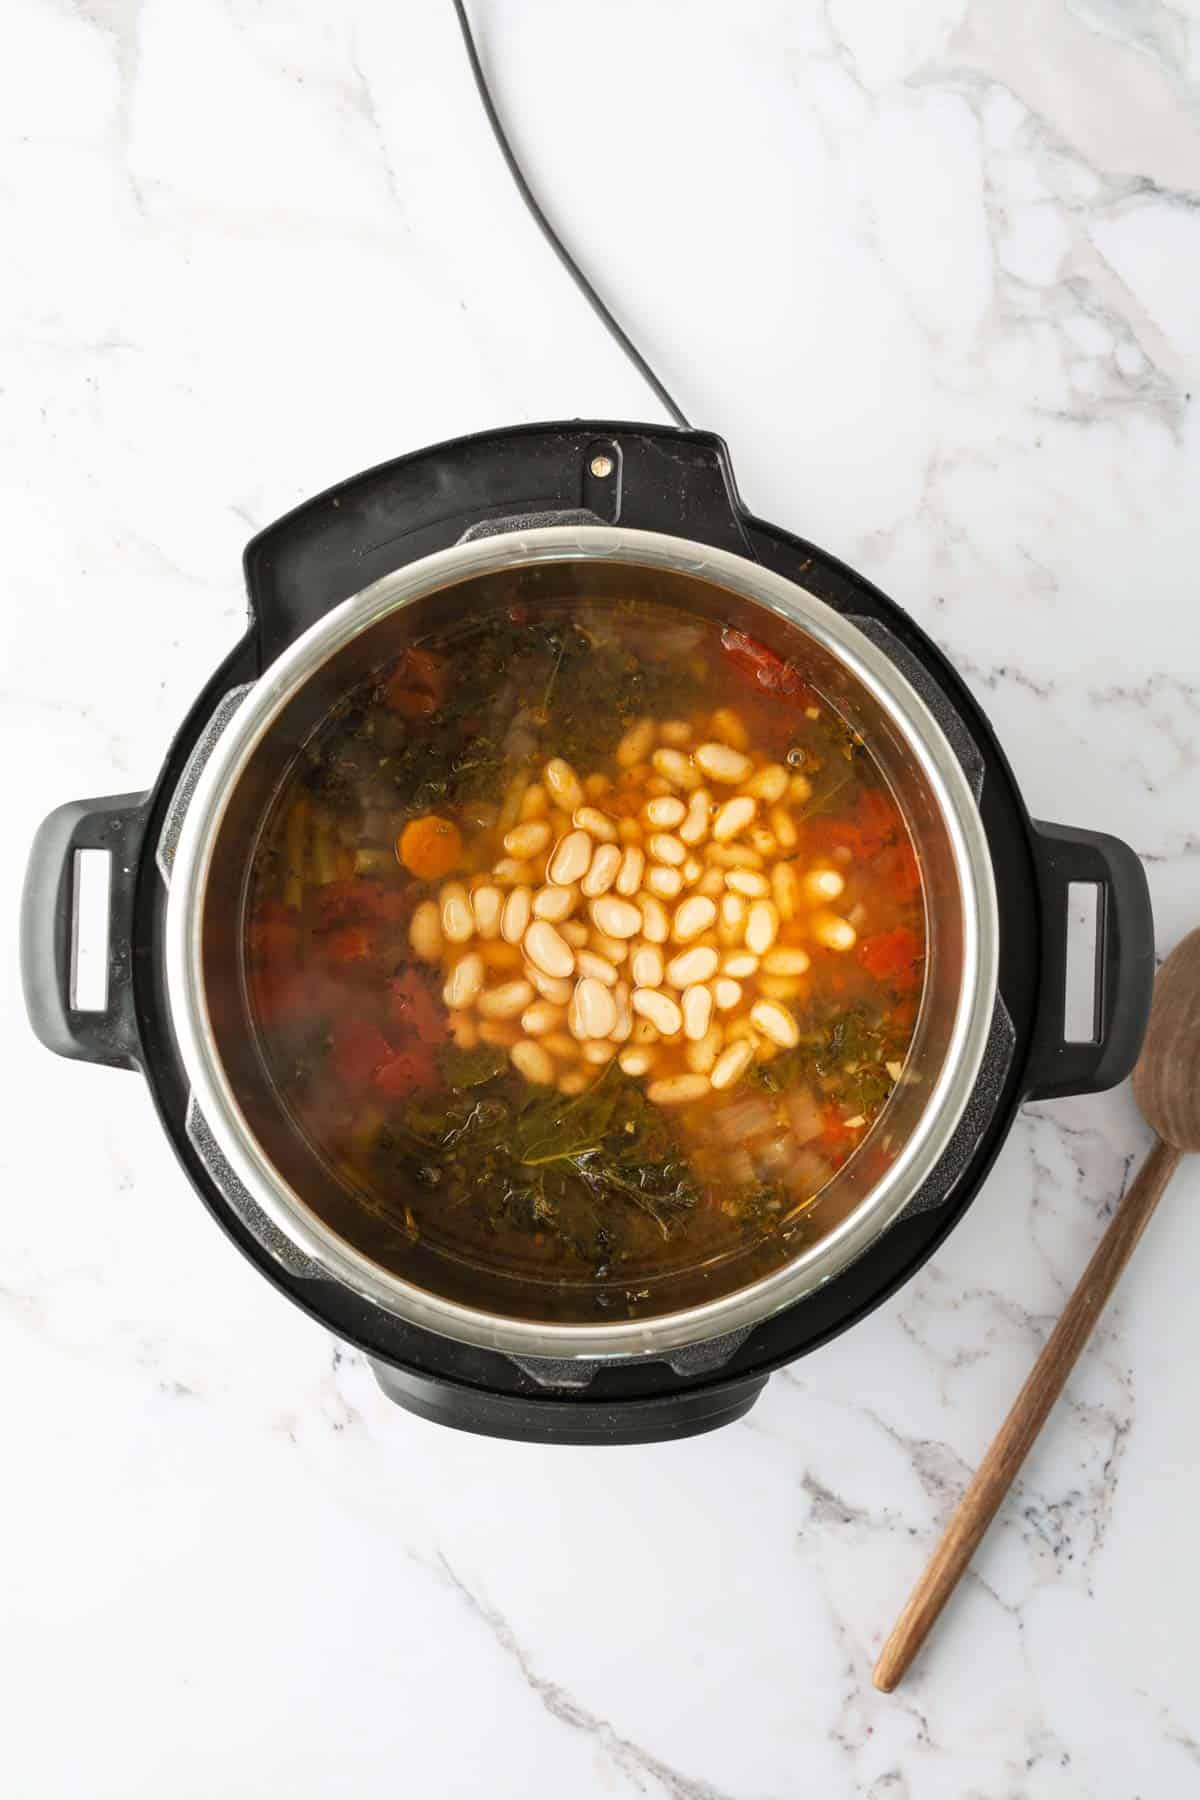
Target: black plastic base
(529, 1421)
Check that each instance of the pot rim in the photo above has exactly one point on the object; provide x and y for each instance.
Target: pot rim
(770, 1294)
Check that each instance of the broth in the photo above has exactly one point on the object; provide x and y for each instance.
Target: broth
(585, 944)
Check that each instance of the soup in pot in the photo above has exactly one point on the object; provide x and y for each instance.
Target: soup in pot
(586, 942)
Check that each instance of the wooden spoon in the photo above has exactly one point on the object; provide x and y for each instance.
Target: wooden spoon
(1166, 1085)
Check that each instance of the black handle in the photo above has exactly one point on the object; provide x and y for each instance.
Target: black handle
(648, 477)
(1124, 961)
(115, 823)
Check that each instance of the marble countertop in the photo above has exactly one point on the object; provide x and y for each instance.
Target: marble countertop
(930, 268)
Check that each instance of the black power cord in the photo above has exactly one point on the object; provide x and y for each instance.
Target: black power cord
(551, 236)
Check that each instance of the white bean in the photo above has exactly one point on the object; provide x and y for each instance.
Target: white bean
(464, 1030)
(780, 821)
(701, 1055)
(675, 731)
(692, 871)
(741, 965)
(694, 829)
(733, 856)
(731, 1063)
(785, 886)
(624, 1025)
(677, 1090)
(637, 744)
(666, 848)
(697, 1012)
(732, 817)
(597, 1051)
(574, 931)
(560, 1043)
(784, 961)
(550, 951)
(613, 950)
(656, 928)
(541, 1017)
(526, 840)
(644, 1032)
(593, 1011)
(697, 964)
(515, 917)
(550, 987)
(799, 789)
(776, 1023)
(727, 993)
(830, 931)
(571, 859)
(769, 784)
(458, 921)
(676, 768)
(636, 1061)
(780, 987)
(573, 1082)
(590, 818)
(762, 924)
(750, 882)
(666, 883)
(728, 728)
(465, 980)
(616, 918)
(555, 903)
(486, 904)
(659, 1008)
(823, 884)
(692, 917)
(647, 966)
(531, 1061)
(602, 871)
(425, 931)
(506, 1001)
(764, 841)
(722, 763)
(664, 812)
(563, 784)
(535, 802)
(732, 924)
(712, 883)
(512, 870)
(629, 875)
(587, 962)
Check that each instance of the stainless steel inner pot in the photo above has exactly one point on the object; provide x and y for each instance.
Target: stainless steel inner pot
(243, 771)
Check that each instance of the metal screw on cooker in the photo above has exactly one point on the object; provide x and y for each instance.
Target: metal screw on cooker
(602, 467)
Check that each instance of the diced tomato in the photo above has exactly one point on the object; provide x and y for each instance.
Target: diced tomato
(362, 900)
(893, 956)
(767, 670)
(282, 995)
(898, 869)
(359, 1049)
(348, 944)
(416, 1009)
(416, 687)
(406, 1072)
(876, 817)
(273, 932)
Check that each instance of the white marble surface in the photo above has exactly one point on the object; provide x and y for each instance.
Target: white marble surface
(931, 268)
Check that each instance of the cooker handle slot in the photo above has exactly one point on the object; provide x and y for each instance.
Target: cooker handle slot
(50, 925)
(1124, 971)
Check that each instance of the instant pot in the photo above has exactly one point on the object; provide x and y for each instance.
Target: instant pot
(580, 508)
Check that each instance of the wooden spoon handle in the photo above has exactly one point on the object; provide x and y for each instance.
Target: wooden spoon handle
(1012, 1443)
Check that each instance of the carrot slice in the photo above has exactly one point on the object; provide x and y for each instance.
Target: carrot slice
(430, 847)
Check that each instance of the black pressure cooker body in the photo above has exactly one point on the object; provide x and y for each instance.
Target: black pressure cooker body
(655, 479)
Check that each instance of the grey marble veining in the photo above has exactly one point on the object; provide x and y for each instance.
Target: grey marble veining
(930, 267)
